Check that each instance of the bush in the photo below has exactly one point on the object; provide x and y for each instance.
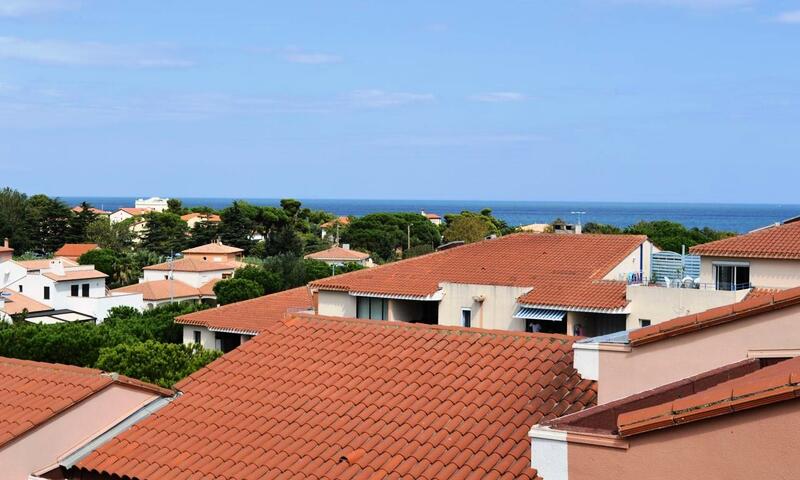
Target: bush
(269, 281)
(236, 290)
(160, 363)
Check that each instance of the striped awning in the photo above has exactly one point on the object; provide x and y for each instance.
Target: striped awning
(540, 314)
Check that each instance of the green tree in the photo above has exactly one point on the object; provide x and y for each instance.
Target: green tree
(128, 266)
(160, 363)
(269, 281)
(671, 235)
(593, 227)
(383, 233)
(48, 222)
(117, 236)
(236, 289)
(237, 226)
(175, 206)
(13, 219)
(203, 233)
(466, 228)
(79, 223)
(103, 260)
(165, 233)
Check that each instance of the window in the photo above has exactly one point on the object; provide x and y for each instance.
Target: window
(197, 336)
(644, 323)
(732, 276)
(74, 290)
(47, 293)
(372, 308)
(85, 290)
(20, 289)
(466, 317)
(226, 276)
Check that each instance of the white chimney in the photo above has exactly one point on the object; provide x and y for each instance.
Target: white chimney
(346, 246)
(57, 267)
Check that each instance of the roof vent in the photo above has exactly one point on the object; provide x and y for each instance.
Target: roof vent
(353, 456)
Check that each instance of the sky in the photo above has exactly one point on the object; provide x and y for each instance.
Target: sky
(592, 100)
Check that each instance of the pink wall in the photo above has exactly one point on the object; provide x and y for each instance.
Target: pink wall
(752, 445)
(42, 448)
(649, 366)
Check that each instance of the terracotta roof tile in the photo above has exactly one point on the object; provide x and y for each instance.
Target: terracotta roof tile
(747, 308)
(212, 248)
(780, 241)
(252, 315)
(213, 218)
(16, 302)
(42, 264)
(561, 270)
(194, 265)
(332, 223)
(134, 211)
(75, 250)
(338, 254)
(70, 275)
(162, 290)
(96, 211)
(768, 385)
(33, 392)
(347, 399)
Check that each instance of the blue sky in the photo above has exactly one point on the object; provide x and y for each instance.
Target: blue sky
(626, 100)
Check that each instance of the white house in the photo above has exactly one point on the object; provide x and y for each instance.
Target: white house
(341, 255)
(156, 204)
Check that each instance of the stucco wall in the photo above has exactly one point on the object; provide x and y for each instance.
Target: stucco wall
(659, 304)
(631, 264)
(337, 304)
(495, 312)
(207, 337)
(765, 273)
(652, 365)
(194, 279)
(755, 444)
(42, 447)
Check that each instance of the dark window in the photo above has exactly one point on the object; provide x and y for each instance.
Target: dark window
(466, 317)
(644, 323)
(732, 277)
(85, 290)
(197, 336)
(74, 290)
(47, 293)
(20, 289)
(372, 308)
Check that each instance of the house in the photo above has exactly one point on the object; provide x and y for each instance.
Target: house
(434, 219)
(542, 282)
(13, 303)
(192, 219)
(332, 227)
(719, 390)
(73, 251)
(153, 204)
(341, 255)
(96, 211)
(125, 213)
(65, 286)
(190, 278)
(321, 397)
(731, 270)
(50, 412)
(226, 327)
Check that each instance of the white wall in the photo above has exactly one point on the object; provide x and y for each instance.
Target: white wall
(764, 273)
(194, 279)
(659, 304)
(98, 307)
(495, 312)
(337, 304)
(119, 216)
(207, 337)
(631, 262)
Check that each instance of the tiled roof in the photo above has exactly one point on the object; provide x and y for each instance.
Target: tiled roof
(207, 289)
(33, 392)
(96, 211)
(17, 303)
(75, 250)
(194, 265)
(213, 218)
(251, 316)
(42, 264)
(747, 308)
(338, 254)
(776, 383)
(561, 269)
(340, 221)
(135, 211)
(161, 290)
(212, 248)
(70, 275)
(329, 398)
(780, 241)
(432, 216)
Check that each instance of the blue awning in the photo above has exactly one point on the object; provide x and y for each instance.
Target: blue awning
(540, 314)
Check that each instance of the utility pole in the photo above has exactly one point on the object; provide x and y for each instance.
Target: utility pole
(171, 275)
(409, 236)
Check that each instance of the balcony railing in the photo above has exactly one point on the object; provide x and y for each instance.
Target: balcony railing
(688, 282)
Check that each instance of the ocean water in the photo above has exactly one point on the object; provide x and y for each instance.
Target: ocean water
(730, 217)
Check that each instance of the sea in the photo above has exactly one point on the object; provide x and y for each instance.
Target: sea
(738, 218)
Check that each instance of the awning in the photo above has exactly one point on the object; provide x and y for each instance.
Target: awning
(540, 314)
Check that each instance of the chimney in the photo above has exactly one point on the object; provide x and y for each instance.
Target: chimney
(5, 242)
(57, 267)
(346, 246)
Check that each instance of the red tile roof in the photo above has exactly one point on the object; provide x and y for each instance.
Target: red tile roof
(96, 211)
(564, 270)
(43, 264)
(31, 393)
(213, 218)
(768, 385)
(16, 302)
(251, 316)
(329, 398)
(162, 290)
(338, 254)
(191, 264)
(332, 223)
(70, 275)
(780, 241)
(75, 250)
(747, 308)
(212, 248)
(135, 211)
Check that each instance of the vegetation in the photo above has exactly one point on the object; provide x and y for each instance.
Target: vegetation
(386, 234)
(664, 234)
(236, 290)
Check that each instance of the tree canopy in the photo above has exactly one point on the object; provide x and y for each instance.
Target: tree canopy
(664, 234)
(236, 290)
(382, 234)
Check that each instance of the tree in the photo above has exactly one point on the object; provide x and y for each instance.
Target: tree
(467, 229)
(128, 267)
(593, 227)
(13, 219)
(383, 233)
(236, 290)
(269, 281)
(103, 260)
(672, 235)
(165, 233)
(175, 206)
(160, 363)
(203, 233)
(117, 236)
(291, 207)
(48, 222)
(79, 223)
(236, 227)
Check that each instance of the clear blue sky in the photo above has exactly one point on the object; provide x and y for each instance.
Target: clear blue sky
(657, 100)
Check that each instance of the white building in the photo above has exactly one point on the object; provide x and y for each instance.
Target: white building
(341, 255)
(156, 204)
